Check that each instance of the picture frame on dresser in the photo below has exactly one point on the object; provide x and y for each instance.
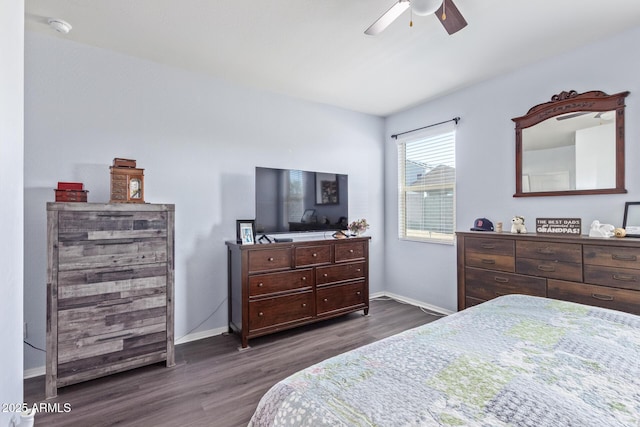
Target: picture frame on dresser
(245, 231)
(631, 221)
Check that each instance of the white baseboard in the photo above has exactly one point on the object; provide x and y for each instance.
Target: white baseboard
(201, 335)
(34, 372)
(40, 370)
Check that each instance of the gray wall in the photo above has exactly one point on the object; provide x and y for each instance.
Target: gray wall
(485, 156)
(11, 207)
(198, 139)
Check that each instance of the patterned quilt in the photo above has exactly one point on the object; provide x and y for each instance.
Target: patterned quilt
(513, 361)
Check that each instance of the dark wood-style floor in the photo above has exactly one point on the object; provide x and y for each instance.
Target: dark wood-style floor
(214, 384)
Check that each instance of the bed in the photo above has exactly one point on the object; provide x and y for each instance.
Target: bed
(512, 361)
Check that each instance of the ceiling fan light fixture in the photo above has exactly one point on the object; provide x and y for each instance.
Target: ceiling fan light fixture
(425, 7)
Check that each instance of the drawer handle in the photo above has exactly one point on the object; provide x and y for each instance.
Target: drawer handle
(624, 257)
(325, 275)
(546, 251)
(314, 255)
(117, 242)
(624, 277)
(261, 314)
(350, 251)
(501, 279)
(304, 304)
(112, 303)
(325, 299)
(127, 335)
(102, 273)
(488, 261)
(304, 278)
(358, 270)
(358, 293)
(260, 284)
(543, 267)
(270, 258)
(602, 297)
(488, 246)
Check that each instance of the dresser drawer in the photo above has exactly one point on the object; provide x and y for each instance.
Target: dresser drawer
(489, 246)
(550, 251)
(350, 251)
(601, 296)
(269, 259)
(84, 346)
(279, 311)
(490, 261)
(116, 274)
(612, 256)
(339, 298)
(262, 284)
(485, 285)
(340, 273)
(624, 278)
(111, 253)
(109, 293)
(470, 301)
(96, 225)
(312, 255)
(551, 269)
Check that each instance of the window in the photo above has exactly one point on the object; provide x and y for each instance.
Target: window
(294, 195)
(427, 181)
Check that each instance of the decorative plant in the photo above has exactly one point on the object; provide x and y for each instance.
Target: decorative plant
(359, 226)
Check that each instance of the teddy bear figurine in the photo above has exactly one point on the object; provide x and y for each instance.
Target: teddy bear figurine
(601, 230)
(517, 225)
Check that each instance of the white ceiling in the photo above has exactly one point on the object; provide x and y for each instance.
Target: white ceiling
(317, 50)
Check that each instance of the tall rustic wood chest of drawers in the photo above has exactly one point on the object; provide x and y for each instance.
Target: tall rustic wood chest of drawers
(110, 278)
(593, 271)
(278, 286)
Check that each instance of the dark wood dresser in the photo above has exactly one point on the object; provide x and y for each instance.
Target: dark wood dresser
(593, 271)
(110, 278)
(278, 286)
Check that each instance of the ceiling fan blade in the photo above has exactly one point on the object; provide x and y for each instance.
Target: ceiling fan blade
(572, 115)
(454, 21)
(387, 18)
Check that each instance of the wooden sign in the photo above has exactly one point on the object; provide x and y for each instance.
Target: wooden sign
(569, 226)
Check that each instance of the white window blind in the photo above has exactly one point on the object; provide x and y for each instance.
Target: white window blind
(427, 182)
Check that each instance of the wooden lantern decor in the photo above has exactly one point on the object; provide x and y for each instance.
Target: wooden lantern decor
(127, 182)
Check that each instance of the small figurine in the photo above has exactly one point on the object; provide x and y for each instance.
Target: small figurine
(517, 225)
(620, 232)
(601, 230)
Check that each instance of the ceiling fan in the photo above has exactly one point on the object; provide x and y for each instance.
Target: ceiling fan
(445, 10)
(604, 115)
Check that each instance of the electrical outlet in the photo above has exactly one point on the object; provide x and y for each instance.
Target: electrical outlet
(24, 331)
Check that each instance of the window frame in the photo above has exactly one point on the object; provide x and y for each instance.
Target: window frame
(447, 133)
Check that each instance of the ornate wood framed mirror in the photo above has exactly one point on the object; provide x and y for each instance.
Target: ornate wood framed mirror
(573, 144)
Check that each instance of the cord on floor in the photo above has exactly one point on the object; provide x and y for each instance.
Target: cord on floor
(424, 310)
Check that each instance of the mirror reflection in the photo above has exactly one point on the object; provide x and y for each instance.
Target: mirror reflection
(573, 151)
(573, 144)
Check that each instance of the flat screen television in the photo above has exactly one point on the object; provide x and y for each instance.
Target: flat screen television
(289, 200)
